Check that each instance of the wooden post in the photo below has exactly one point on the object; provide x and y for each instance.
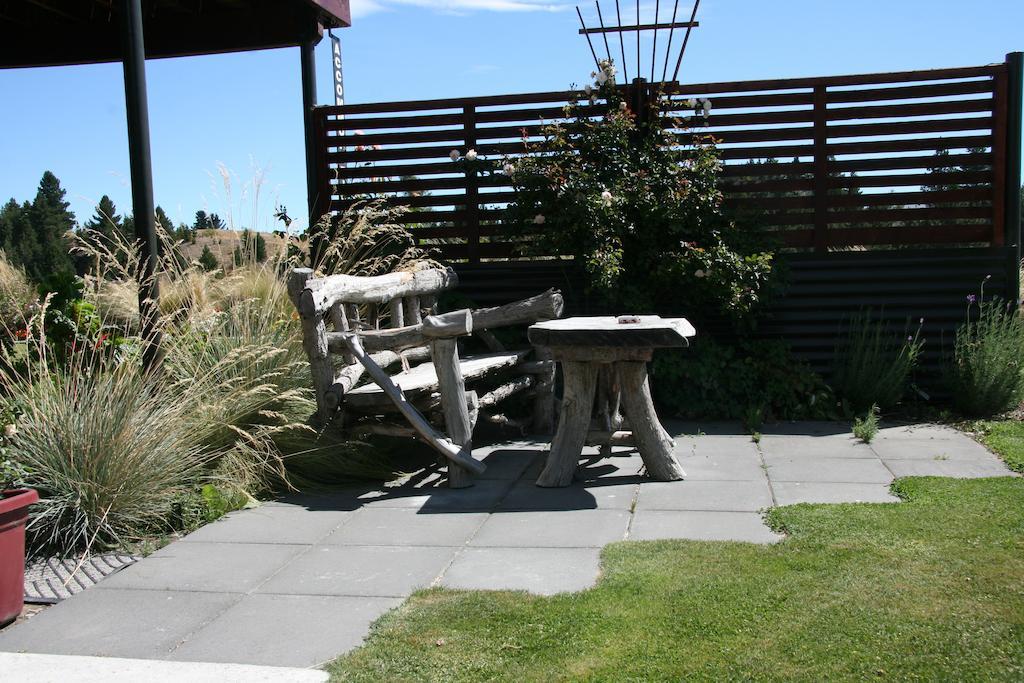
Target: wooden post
(1014, 98)
(307, 57)
(820, 168)
(472, 192)
(574, 424)
(314, 340)
(452, 387)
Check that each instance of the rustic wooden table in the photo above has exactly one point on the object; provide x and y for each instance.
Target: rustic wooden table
(617, 350)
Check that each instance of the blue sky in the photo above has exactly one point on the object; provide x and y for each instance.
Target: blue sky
(242, 112)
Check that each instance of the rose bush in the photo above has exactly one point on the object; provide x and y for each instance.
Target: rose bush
(641, 212)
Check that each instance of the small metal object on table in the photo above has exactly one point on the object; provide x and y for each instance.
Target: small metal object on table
(621, 347)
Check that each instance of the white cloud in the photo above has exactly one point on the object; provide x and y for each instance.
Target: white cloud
(362, 8)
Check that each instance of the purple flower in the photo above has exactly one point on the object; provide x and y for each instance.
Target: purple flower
(971, 299)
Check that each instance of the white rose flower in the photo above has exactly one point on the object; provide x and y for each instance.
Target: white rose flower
(588, 89)
(509, 169)
(606, 198)
(602, 78)
(622, 106)
(471, 155)
(691, 103)
(454, 155)
(699, 274)
(539, 219)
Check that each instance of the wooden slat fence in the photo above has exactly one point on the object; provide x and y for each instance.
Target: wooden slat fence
(880, 160)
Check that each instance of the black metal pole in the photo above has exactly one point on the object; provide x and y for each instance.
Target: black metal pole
(1015, 73)
(134, 58)
(307, 51)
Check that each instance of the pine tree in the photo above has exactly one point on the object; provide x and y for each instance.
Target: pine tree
(98, 232)
(202, 221)
(11, 221)
(261, 248)
(165, 223)
(207, 260)
(216, 223)
(50, 222)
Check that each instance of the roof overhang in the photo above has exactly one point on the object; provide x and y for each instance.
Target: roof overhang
(55, 32)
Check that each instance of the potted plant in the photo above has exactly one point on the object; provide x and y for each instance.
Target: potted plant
(14, 504)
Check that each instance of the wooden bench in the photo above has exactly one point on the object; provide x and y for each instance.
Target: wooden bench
(355, 328)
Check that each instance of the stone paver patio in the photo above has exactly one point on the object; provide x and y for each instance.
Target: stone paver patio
(298, 581)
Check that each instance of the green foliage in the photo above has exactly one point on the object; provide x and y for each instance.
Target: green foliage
(252, 248)
(642, 214)
(928, 589)
(866, 428)
(753, 380)
(1005, 437)
(986, 371)
(207, 260)
(874, 362)
(34, 235)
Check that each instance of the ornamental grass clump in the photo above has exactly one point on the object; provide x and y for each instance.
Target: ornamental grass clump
(874, 362)
(986, 371)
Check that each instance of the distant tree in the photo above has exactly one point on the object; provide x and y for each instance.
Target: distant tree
(216, 223)
(202, 221)
(207, 260)
(100, 231)
(44, 252)
(13, 217)
(237, 255)
(252, 247)
(260, 248)
(164, 221)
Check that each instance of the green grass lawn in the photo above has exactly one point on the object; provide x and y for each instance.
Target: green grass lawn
(932, 589)
(1007, 439)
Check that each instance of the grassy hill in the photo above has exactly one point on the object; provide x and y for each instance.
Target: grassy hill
(223, 242)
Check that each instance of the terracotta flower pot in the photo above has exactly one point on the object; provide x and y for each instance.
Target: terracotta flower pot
(13, 514)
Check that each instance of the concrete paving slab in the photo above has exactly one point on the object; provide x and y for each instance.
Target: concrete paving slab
(64, 668)
(847, 470)
(792, 492)
(379, 571)
(271, 524)
(920, 431)
(208, 567)
(723, 446)
(722, 468)
(808, 428)
(842, 446)
(483, 495)
(399, 526)
(544, 571)
(932, 449)
(285, 630)
(958, 469)
(701, 428)
(700, 525)
(619, 465)
(615, 494)
(509, 462)
(558, 529)
(738, 496)
(117, 623)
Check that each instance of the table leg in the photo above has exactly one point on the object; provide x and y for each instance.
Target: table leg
(573, 425)
(653, 442)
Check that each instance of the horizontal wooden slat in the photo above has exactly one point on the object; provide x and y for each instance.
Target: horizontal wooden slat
(916, 109)
(909, 179)
(897, 163)
(905, 92)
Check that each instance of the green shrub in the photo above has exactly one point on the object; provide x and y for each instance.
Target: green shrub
(874, 363)
(739, 380)
(867, 428)
(986, 371)
(641, 213)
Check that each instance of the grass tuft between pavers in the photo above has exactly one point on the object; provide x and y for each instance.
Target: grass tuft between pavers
(931, 588)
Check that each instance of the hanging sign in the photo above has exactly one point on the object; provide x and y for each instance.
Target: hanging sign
(339, 80)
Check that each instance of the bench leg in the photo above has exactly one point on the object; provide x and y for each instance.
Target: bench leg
(577, 407)
(653, 442)
(457, 422)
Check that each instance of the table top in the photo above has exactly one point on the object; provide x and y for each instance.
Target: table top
(644, 331)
